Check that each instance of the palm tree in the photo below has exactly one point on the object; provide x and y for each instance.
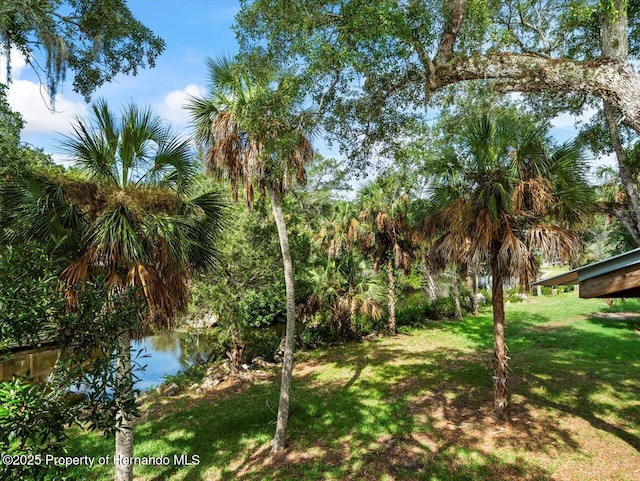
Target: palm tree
(128, 219)
(258, 137)
(384, 234)
(346, 286)
(500, 196)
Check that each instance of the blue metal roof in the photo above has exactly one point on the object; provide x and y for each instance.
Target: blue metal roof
(615, 263)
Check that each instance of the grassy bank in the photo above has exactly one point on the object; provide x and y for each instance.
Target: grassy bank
(419, 407)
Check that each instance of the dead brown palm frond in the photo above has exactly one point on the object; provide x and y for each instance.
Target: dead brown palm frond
(353, 231)
(114, 282)
(177, 283)
(384, 223)
(513, 258)
(485, 229)
(533, 195)
(371, 308)
(301, 155)
(450, 248)
(621, 197)
(427, 228)
(403, 261)
(553, 242)
(306, 310)
(80, 269)
(161, 303)
(368, 239)
(457, 212)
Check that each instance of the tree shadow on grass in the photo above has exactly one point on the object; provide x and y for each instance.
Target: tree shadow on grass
(590, 373)
(429, 421)
(593, 374)
(360, 411)
(629, 321)
(390, 410)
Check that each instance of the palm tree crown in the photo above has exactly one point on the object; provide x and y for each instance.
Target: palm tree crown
(502, 195)
(254, 133)
(128, 215)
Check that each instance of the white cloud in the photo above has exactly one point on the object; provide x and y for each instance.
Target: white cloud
(32, 101)
(171, 108)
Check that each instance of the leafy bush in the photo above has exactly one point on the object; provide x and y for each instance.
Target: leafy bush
(552, 291)
(319, 334)
(32, 422)
(514, 295)
(263, 307)
(444, 308)
(415, 314)
(263, 342)
(487, 296)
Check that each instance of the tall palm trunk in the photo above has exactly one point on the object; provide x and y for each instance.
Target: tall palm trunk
(124, 433)
(501, 391)
(391, 298)
(287, 365)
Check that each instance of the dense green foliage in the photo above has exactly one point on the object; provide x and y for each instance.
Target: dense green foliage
(33, 311)
(375, 66)
(96, 40)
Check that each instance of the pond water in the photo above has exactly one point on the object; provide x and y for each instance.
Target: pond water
(164, 354)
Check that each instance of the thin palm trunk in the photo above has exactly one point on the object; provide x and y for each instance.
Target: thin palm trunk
(287, 365)
(391, 298)
(431, 287)
(124, 433)
(352, 312)
(455, 293)
(501, 390)
(473, 300)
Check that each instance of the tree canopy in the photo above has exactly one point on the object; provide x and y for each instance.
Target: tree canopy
(377, 65)
(95, 39)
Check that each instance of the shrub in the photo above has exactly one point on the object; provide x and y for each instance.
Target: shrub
(444, 308)
(316, 335)
(262, 308)
(263, 342)
(514, 295)
(415, 314)
(32, 420)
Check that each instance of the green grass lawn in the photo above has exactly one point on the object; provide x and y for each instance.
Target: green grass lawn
(419, 407)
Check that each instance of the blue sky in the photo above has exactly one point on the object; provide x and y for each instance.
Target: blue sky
(192, 30)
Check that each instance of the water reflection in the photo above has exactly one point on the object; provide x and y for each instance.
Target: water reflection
(164, 354)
